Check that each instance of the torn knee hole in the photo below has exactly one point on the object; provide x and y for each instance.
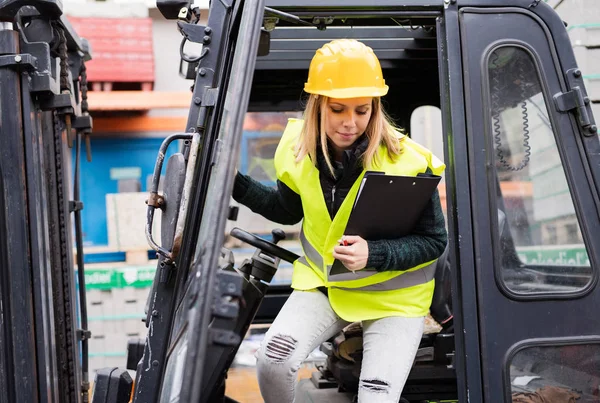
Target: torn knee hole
(375, 385)
(280, 348)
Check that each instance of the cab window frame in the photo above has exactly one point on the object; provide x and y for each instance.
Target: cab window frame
(555, 342)
(492, 181)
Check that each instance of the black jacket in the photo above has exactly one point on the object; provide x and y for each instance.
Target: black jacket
(336, 188)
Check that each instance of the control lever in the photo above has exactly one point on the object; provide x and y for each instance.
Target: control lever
(278, 235)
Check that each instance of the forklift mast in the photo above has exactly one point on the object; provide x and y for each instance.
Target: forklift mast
(44, 114)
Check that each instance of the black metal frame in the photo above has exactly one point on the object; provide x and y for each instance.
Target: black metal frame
(18, 341)
(41, 343)
(458, 205)
(353, 6)
(203, 310)
(170, 299)
(520, 310)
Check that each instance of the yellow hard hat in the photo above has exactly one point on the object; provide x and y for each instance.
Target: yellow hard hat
(345, 68)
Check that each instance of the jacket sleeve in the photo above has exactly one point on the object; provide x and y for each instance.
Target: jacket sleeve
(281, 205)
(426, 243)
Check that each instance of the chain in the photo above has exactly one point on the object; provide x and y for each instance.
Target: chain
(83, 84)
(64, 255)
(64, 65)
(84, 89)
(64, 74)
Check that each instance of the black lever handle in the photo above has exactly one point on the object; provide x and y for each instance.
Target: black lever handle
(278, 235)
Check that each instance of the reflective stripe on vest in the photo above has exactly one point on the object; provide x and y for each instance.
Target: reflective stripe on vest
(408, 279)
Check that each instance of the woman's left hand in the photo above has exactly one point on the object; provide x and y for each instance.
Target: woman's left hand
(355, 255)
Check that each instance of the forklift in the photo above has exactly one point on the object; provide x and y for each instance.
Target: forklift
(521, 186)
(515, 288)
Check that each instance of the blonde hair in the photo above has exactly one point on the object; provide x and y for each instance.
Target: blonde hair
(380, 131)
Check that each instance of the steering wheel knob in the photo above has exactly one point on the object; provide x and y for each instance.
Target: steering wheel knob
(278, 235)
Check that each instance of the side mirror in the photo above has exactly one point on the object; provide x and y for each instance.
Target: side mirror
(170, 8)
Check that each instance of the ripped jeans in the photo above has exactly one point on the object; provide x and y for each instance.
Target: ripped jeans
(307, 320)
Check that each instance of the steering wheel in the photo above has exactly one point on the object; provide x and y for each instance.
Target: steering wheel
(268, 247)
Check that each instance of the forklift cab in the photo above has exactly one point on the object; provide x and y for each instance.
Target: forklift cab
(516, 289)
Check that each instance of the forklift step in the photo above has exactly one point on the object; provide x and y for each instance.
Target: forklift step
(322, 382)
(135, 352)
(112, 385)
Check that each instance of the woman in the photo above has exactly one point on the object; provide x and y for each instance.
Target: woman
(320, 162)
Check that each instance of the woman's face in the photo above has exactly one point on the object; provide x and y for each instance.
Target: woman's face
(346, 120)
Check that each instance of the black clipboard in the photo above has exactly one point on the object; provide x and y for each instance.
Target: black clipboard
(388, 207)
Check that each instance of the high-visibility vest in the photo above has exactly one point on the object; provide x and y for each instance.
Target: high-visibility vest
(365, 294)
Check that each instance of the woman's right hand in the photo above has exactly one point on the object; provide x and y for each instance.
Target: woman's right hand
(355, 255)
